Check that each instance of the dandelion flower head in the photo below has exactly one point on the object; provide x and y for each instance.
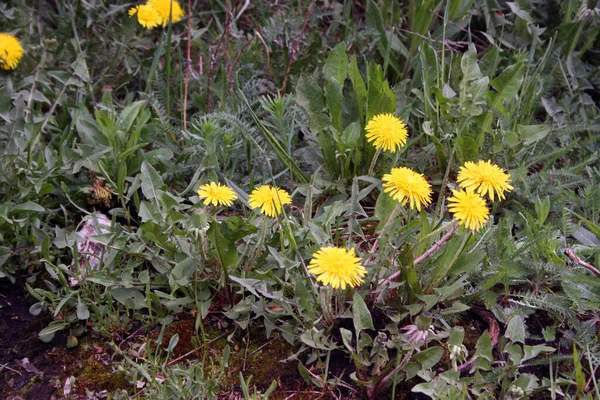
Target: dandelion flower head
(405, 185)
(11, 51)
(166, 8)
(387, 132)
(469, 209)
(337, 267)
(216, 194)
(147, 16)
(484, 178)
(270, 199)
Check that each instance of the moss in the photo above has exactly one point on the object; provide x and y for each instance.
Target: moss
(262, 356)
(96, 377)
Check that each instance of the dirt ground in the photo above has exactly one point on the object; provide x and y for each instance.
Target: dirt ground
(32, 369)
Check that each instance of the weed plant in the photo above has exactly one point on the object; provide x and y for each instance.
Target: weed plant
(319, 234)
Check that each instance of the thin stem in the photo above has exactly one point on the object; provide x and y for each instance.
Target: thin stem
(389, 221)
(569, 253)
(374, 161)
(425, 255)
(436, 245)
(188, 63)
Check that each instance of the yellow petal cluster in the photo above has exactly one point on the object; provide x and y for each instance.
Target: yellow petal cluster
(270, 199)
(469, 209)
(147, 16)
(405, 185)
(216, 194)
(387, 132)
(166, 8)
(157, 12)
(337, 267)
(11, 51)
(484, 178)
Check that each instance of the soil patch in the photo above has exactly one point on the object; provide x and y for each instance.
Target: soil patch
(32, 369)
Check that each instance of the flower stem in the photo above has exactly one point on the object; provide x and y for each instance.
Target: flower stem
(374, 161)
(425, 255)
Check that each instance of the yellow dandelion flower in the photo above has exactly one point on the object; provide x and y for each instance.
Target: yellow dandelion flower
(403, 184)
(216, 194)
(147, 16)
(11, 51)
(337, 267)
(166, 8)
(484, 178)
(387, 132)
(469, 209)
(269, 199)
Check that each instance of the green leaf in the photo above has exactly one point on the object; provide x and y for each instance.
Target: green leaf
(82, 311)
(173, 342)
(530, 134)
(181, 273)
(457, 307)
(533, 351)
(515, 329)
(360, 89)
(334, 99)
(594, 228)
(310, 97)
(580, 379)
(458, 8)
(374, 21)
(275, 144)
(130, 113)
(151, 181)
(129, 297)
(430, 357)
(361, 316)
(351, 135)
(28, 206)
(483, 348)
(347, 339)
(507, 84)
(225, 249)
(381, 99)
(336, 65)
(52, 328)
(5, 103)
(36, 308)
(469, 66)
(457, 335)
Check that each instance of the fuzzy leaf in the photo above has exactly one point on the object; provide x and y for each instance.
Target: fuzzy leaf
(515, 330)
(361, 316)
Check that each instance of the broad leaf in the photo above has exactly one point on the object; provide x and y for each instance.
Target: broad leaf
(361, 316)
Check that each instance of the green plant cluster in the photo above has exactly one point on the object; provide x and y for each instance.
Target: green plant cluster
(104, 120)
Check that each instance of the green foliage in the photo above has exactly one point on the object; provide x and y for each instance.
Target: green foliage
(104, 120)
